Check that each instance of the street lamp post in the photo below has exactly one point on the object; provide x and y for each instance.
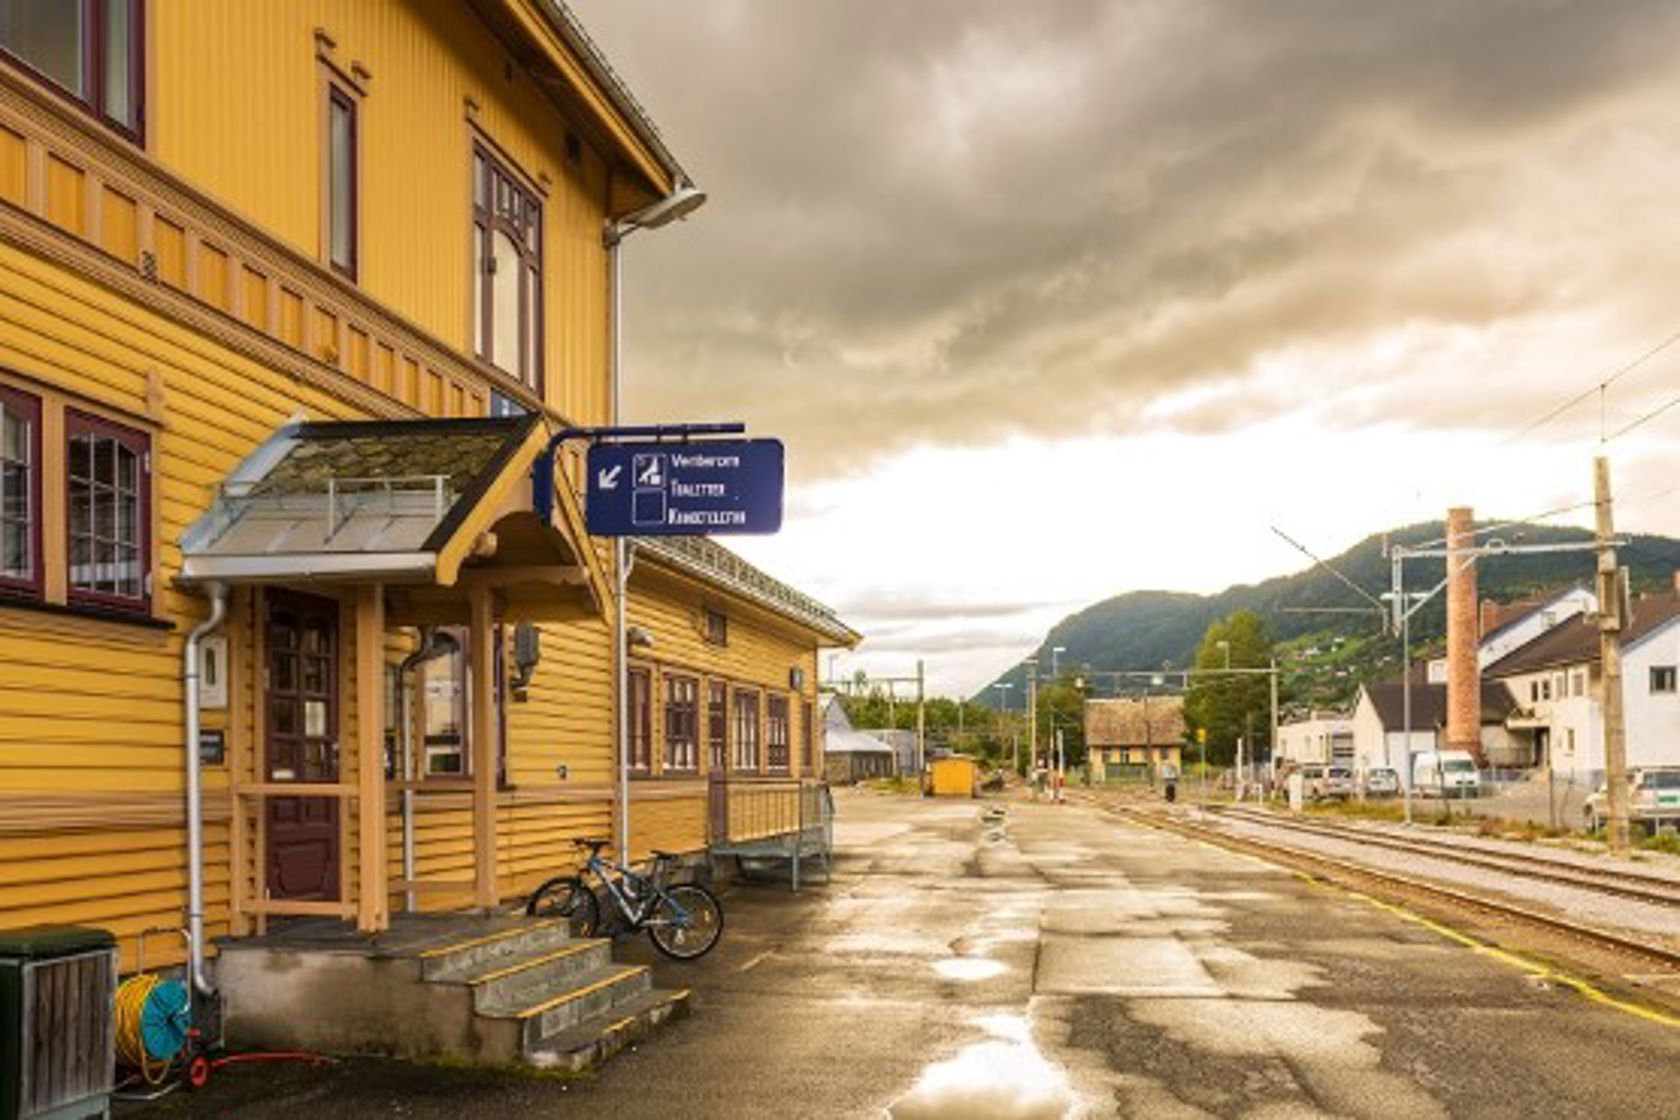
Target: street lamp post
(1032, 710)
(679, 204)
(1003, 703)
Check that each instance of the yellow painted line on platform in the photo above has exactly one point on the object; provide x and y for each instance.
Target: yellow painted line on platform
(1536, 969)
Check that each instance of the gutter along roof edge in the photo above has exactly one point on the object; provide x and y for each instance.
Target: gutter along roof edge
(774, 596)
(617, 91)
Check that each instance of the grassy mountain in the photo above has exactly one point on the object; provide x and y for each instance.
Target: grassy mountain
(1143, 630)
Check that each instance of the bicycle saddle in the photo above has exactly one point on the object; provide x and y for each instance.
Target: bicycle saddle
(593, 843)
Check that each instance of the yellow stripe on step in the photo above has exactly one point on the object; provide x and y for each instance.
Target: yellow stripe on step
(488, 939)
(514, 969)
(568, 997)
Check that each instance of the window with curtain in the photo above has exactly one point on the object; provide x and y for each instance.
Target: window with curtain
(807, 737)
(641, 720)
(507, 272)
(746, 731)
(88, 50)
(20, 492)
(444, 692)
(717, 726)
(776, 733)
(682, 723)
(107, 483)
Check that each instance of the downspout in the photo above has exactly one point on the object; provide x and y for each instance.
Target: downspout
(621, 560)
(195, 792)
(427, 650)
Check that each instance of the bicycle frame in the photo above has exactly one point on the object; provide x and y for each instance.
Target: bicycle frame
(648, 890)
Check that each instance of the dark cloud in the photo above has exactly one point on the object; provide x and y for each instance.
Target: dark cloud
(943, 222)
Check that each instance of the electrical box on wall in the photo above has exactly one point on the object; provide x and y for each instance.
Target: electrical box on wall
(212, 672)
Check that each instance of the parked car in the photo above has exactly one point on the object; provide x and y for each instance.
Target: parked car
(1653, 799)
(1337, 784)
(1312, 776)
(1446, 774)
(1382, 781)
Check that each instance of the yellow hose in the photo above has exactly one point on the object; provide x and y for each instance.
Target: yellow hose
(131, 1047)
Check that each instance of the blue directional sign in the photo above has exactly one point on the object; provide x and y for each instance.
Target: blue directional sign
(685, 489)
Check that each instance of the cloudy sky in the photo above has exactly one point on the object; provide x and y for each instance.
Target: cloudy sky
(1060, 299)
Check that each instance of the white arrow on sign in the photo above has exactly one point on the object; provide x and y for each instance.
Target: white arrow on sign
(608, 479)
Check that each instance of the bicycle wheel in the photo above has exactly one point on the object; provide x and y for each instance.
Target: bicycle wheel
(686, 922)
(570, 899)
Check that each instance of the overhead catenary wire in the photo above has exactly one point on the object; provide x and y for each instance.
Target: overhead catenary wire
(1598, 388)
(1642, 420)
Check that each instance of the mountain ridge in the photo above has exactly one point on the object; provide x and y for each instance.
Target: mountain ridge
(1145, 630)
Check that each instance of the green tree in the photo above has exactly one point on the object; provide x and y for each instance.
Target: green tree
(1061, 706)
(1234, 705)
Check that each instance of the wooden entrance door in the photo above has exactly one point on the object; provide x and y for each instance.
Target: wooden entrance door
(301, 723)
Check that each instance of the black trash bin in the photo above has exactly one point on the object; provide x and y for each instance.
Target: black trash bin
(58, 987)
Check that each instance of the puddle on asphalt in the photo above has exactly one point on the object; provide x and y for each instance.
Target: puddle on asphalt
(969, 968)
(1002, 1078)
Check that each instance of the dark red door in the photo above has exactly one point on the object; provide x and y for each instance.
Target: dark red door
(301, 718)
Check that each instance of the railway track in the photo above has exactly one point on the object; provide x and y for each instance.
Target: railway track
(1343, 869)
(1612, 881)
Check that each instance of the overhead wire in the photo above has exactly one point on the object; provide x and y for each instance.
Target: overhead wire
(1599, 388)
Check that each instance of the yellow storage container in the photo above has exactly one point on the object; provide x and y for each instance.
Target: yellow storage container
(955, 775)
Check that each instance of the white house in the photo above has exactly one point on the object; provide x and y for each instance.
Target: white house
(1321, 739)
(1559, 689)
(1508, 626)
(1379, 721)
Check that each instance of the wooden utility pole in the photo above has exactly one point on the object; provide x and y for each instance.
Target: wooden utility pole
(1610, 622)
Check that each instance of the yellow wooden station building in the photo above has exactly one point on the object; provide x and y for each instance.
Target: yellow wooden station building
(293, 297)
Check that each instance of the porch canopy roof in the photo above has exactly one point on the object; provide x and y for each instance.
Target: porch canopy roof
(426, 507)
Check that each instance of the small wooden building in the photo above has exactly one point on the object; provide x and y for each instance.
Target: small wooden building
(1132, 739)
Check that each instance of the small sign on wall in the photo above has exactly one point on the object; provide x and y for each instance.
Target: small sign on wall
(212, 672)
(212, 747)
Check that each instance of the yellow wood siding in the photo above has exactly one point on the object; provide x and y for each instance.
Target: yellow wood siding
(245, 127)
(91, 709)
(179, 290)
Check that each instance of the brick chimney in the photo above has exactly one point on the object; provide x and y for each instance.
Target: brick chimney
(1464, 686)
(1490, 618)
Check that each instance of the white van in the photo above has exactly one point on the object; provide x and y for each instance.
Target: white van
(1448, 773)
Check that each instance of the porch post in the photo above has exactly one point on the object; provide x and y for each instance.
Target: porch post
(482, 672)
(373, 908)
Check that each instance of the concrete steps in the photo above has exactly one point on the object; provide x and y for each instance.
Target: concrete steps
(499, 992)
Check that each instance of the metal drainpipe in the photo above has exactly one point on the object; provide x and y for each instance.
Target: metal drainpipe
(195, 793)
(621, 559)
(405, 703)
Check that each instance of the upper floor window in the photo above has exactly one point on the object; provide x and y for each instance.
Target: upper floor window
(107, 482)
(507, 271)
(89, 50)
(343, 186)
(20, 492)
(717, 627)
(1662, 678)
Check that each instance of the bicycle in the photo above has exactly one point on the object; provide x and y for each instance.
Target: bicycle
(683, 921)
